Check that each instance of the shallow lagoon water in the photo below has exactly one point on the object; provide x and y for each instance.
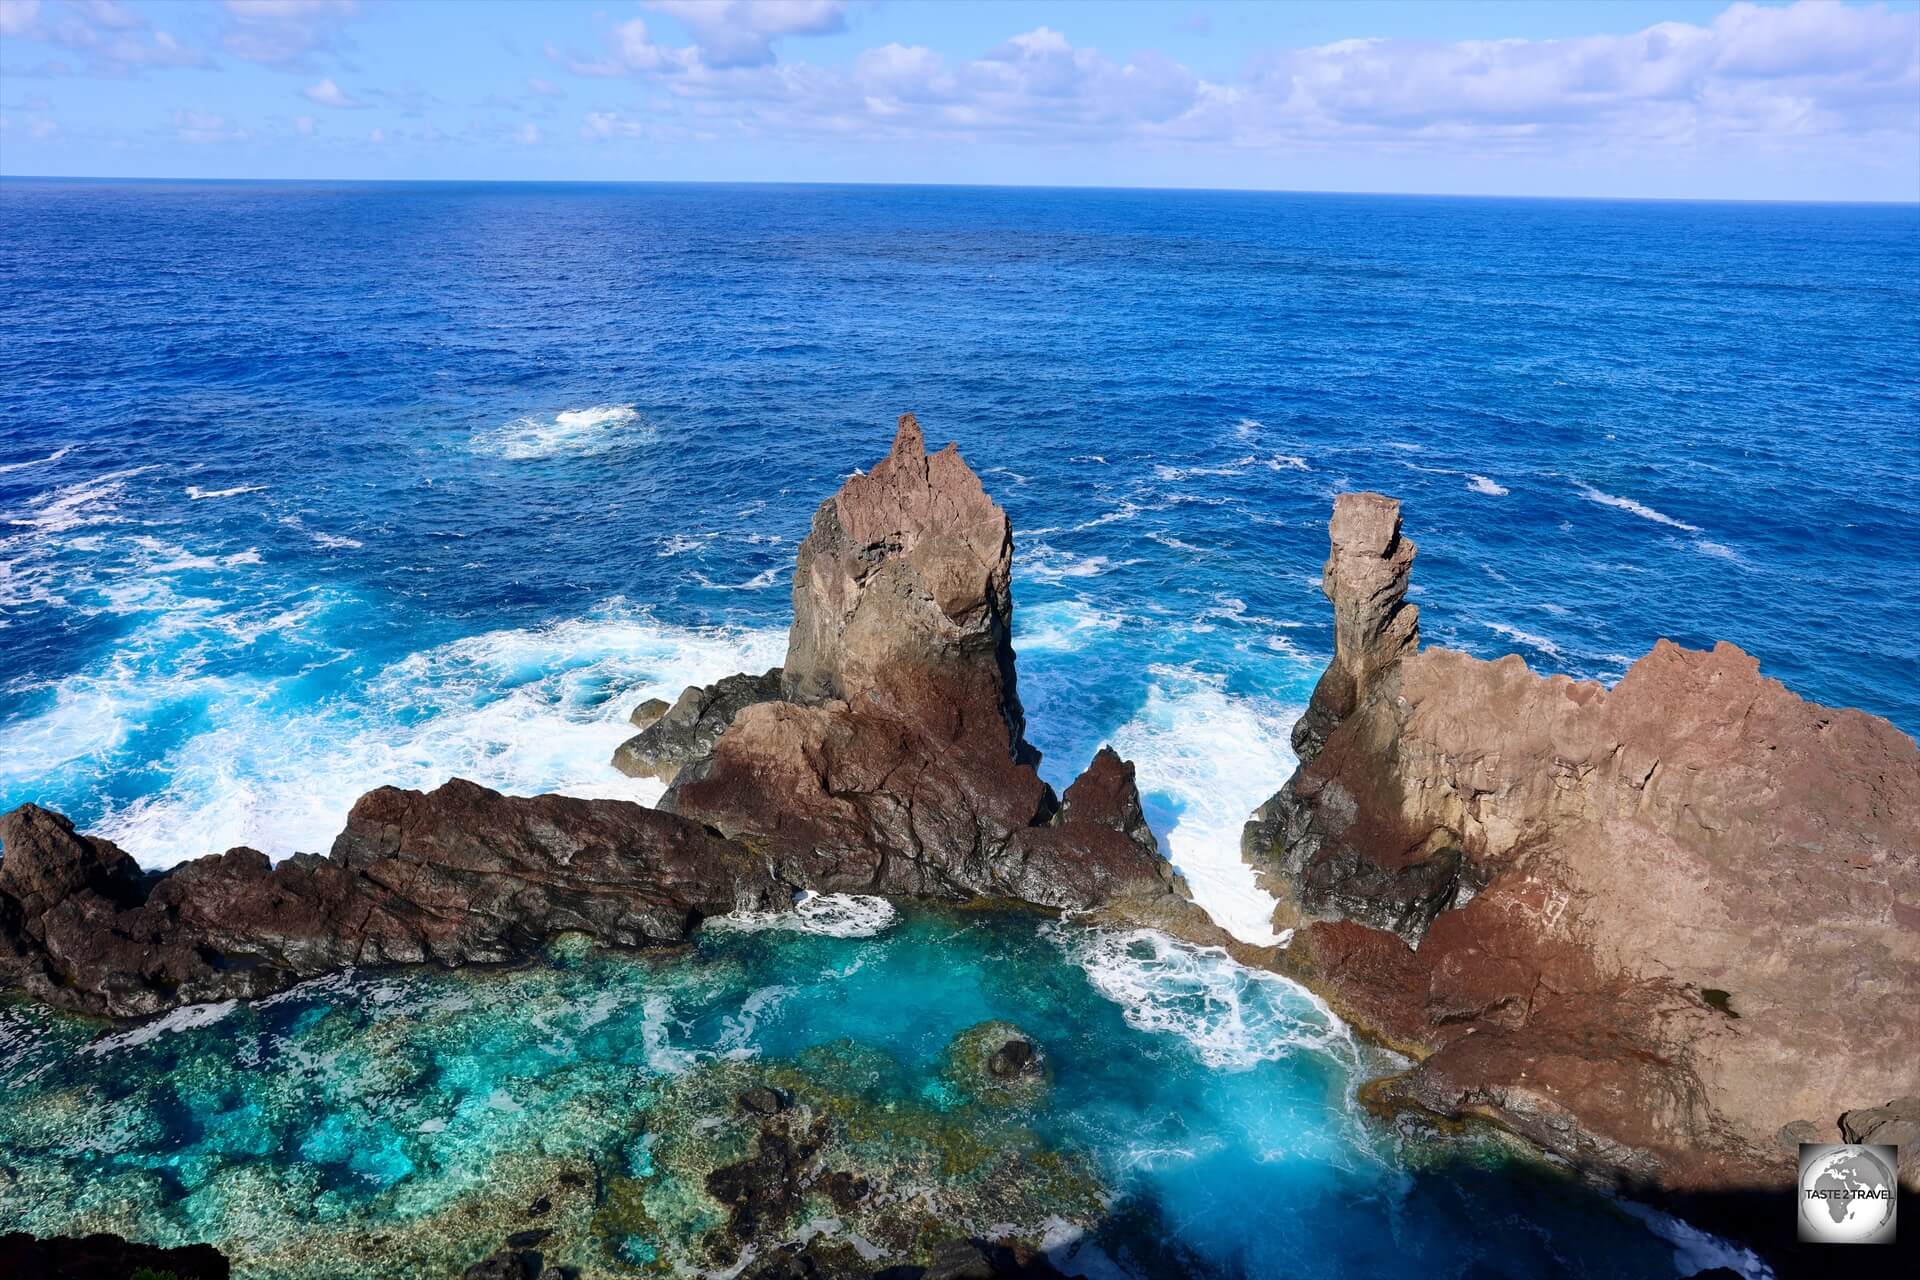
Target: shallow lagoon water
(402, 1119)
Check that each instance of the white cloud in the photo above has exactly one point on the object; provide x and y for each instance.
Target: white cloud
(377, 136)
(285, 33)
(18, 16)
(740, 33)
(528, 134)
(42, 128)
(203, 127)
(599, 126)
(113, 39)
(1777, 74)
(544, 88)
(329, 94)
(304, 126)
(727, 35)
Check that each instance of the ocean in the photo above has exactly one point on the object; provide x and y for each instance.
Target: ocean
(308, 488)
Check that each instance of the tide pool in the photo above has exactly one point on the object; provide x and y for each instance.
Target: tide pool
(1196, 1118)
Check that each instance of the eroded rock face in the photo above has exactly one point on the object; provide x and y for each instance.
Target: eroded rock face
(903, 593)
(896, 763)
(458, 875)
(1654, 924)
(1365, 578)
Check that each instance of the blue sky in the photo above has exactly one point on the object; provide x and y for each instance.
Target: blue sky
(1816, 100)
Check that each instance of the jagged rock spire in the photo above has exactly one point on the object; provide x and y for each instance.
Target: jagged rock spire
(1373, 625)
(903, 590)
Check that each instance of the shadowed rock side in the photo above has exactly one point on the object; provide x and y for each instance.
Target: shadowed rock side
(1666, 930)
(106, 1257)
(901, 770)
(673, 737)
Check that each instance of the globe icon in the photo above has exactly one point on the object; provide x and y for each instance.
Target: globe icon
(1847, 1195)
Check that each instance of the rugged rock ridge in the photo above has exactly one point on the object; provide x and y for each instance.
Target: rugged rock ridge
(901, 769)
(459, 875)
(903, 592)
(1664, 930)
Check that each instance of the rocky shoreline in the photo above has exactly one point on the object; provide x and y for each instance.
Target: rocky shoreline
(1666, 931)
(1663, 932)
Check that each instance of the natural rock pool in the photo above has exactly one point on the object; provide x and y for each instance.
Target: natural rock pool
(835, 1077)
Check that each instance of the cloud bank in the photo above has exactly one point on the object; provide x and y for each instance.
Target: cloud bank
(1810, 69)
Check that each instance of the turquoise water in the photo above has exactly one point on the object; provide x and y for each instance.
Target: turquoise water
(359, 1117)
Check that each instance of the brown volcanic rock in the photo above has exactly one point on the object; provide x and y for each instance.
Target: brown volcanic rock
(903, 592)
(1654, 924)
(898, 764)
(458, 875)
(1373, 625)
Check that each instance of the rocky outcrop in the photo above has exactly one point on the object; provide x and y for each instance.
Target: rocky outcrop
(106, 1257)
(1895, 1125)
(459, 875)
(887, 756)
(674, 737)
(903, 594)
(897, 762)
(1365, 578)
(1646, 927)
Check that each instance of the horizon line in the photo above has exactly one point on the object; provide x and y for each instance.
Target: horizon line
(1892, 202)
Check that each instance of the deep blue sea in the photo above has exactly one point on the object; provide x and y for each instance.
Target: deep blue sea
(306, 488)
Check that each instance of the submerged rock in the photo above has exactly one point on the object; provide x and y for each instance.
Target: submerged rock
(1654, 924)
(106, 1257)
(997, 1063)
(846, 1176)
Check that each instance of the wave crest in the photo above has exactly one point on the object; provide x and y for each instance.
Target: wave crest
(579, 433)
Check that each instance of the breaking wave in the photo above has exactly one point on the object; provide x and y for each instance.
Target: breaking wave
(571, 433)
(1205, 760)
(1636, 508)
(1233, 1017)
(524, 711)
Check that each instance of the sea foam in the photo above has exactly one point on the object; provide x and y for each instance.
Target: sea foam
(831, 915)
(55, 456)
(524, 711)
(1207, 759)
(1232, 1017)
(572, 432)
(1636, 508)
